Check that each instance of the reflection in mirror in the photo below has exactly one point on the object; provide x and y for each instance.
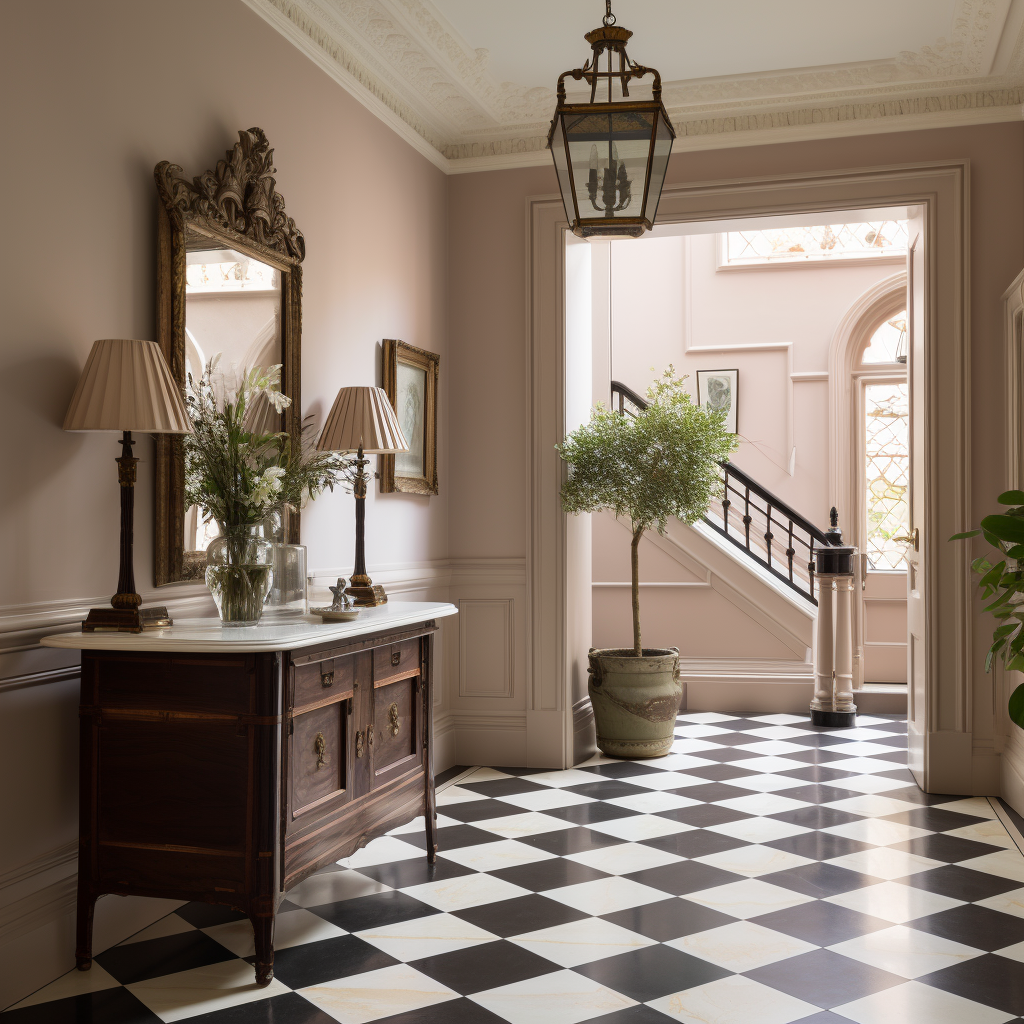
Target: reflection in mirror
(232, 310)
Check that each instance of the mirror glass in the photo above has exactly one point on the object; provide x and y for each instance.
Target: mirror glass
(232, 309)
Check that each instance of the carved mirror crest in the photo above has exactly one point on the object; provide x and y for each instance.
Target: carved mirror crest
(229, 281)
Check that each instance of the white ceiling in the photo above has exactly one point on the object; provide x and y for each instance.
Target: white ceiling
(470, 83)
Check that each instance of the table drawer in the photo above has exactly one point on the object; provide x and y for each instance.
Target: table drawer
(396, 661)
(323, 681)
(319, 758)
(396, 728)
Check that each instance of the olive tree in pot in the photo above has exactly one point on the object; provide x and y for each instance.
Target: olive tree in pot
(647, 468)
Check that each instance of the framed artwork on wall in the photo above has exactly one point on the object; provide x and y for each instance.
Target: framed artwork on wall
(717, 391)
(409, 376)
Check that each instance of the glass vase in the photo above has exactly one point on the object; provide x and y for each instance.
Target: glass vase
(239, 573)
(287, 598)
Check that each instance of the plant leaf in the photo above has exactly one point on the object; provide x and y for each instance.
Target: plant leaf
(1016, 706)
(1009, 528)
(1011, 498)
(963, 536)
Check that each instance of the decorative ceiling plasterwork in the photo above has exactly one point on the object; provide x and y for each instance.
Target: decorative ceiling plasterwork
(411, 67)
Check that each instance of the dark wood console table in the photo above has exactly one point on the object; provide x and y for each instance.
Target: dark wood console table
(226, 765)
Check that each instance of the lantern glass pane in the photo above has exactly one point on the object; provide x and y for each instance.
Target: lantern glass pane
(609, 152)
(659, 165)
(562, 169)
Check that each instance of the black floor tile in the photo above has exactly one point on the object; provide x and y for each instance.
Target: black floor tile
(651, 972)
(897, 757)
(477, 810)
(206, 915)
(914, 795)
(732, 739)
(669, 919)
(519, 915)
(818, 794)
(502, 787)
(585, 814)
(820, 880)
(479, 968)
(903, 775)
(450, 773)
(726, 755)
(167, 955)
(992, 980)
(896, 742)
(454, 837)
(606, 789)
(817, 755)
(696, 843)
(638, 1014)
(816, 816)
(974, 926)
(721, 772)
(934, 819)
(819, 845)
(112, 1006)
(705, 815)
(818, 773)
(945, 847)
(621, 769)
(548, 874)
(714, 791)
(289, 1008)
(960, 883)
(570, 840)
(822, 923)
(313, 963)
(452, 1011)
(373, 911)
(402, 873)
(818, 739)
(683, 877)
(824, 978)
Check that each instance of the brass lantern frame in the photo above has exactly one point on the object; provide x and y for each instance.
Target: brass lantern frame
(610, 39)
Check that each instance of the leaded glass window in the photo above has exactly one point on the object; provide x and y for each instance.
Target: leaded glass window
(887, 476)
(889, 342)
(821, 243)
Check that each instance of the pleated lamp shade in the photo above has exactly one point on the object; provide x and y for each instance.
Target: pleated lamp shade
(126, 385)
(362, 416)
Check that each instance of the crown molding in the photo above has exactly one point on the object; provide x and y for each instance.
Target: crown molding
(408, 65)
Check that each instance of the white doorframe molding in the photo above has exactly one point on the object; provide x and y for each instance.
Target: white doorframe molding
(943, 189)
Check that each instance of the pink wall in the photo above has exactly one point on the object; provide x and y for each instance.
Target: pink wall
(94, 101)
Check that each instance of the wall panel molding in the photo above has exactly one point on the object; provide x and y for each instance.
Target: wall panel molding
(486, 647)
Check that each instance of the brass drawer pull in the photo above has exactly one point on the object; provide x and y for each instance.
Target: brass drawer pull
(393, 717)
(396, 657)
(320, 746)
(359, 744)
(327, 679)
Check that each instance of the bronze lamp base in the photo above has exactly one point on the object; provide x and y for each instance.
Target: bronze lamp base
(126, 620)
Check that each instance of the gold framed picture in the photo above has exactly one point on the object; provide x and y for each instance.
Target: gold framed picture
(409, 376)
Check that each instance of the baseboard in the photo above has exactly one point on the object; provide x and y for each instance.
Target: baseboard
(493, 740)
(584, 732)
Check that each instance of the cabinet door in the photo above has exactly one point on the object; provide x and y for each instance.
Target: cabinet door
(397, 729)
(321, 770)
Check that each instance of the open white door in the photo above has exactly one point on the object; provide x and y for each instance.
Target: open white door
(917, 666)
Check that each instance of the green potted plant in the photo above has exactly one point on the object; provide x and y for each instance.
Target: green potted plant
(647, 468)
(1002, 581)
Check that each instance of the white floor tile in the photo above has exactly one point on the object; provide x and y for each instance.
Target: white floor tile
(529, 823)
(605, 895)
(754, 860)
(74, 983)
(486, 775)
(562, 997)
(733, 1000)
(506, 853)
(683, 745)
(774, 748)
(871, 720)
(582, 942)
(772, 764)
(857, 733)
(376, 994)
(597, 758)
(169, 925)
(894, 902)
(865, 765)
(456, 795)
(640, 826)
(758, 830)
(674, 778)
(1006, 863)
(877, 831)
(382, 851)
(991, 832)
(203, 990)
(426, 936)
(335, 886)
(652, 802)
(778, 732)
(761, 803)
(569, 777)
(749, 898)
(914, 1003)
(698, 731)
(863, 748)
(706, 717)
(419, 825)
(291, 929)
(906, 951)
(1011, 902)
(975, 805)
(545, 799)
(780, 719)
(741, 946)
(767, 783)
(1014, 952)
(885, 863)
(624, 858)
(869, 783)
(465, 891)
(871, 804)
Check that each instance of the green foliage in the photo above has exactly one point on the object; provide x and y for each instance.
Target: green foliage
(234, 472)
(1001, 583)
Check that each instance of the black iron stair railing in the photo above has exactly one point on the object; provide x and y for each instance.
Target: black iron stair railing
(757, 522)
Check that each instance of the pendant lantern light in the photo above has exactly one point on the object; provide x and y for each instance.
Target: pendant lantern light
(610, 155)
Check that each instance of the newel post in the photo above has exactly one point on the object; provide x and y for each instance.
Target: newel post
(833, 654)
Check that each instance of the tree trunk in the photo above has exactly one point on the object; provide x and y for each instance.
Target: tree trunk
(634, 561)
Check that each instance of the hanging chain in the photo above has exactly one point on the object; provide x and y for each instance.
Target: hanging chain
(609, 18)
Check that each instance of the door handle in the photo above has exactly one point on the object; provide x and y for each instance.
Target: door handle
(914, 538)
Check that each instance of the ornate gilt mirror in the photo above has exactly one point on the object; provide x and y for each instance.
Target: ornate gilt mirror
(229, 281)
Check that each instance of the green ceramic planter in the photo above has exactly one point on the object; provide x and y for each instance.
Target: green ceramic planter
(635, 700)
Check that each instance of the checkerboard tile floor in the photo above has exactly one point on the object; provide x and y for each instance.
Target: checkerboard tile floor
(766, 871)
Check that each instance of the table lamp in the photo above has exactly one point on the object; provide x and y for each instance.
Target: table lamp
(362, 420)
(125, 386)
